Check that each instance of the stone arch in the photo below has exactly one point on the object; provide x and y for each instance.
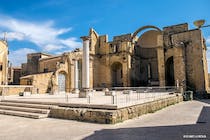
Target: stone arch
(117, 74)
(143, 28)
(145, 60)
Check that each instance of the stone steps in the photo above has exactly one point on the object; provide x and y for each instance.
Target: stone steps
(23, 114)
(17, 104)
(24, 109)
(35, 111)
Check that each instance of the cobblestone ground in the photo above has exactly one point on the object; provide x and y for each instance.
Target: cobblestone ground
(183, 120)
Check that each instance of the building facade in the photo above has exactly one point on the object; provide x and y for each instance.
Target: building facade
(147, 57)
(3, 62)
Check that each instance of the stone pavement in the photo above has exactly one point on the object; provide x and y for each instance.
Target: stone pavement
(191, 119)
(98, 98)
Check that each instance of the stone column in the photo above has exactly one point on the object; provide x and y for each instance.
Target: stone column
(161, 66)
(161, 61)
(85, 68)
(76, 77)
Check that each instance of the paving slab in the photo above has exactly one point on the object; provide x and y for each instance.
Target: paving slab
(173, 122)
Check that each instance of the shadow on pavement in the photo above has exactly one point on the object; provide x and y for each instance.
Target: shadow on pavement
(176, 132)
(204, 101)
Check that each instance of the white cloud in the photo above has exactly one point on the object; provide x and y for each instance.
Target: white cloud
(52, 47)
(208, 40)
(13, 36)
(19, 56)
(42, 34)
(71, 42)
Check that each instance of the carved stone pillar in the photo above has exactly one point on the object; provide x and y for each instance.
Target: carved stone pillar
(76, 77)
(85, 68)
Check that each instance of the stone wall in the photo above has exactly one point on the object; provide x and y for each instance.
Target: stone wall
(112, 116)
(193, 56)
(33, 62)
(49, 64)
(3, 62)
(41, 82)
(15, 90)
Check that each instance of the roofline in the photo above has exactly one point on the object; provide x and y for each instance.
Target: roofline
(41, 59)
(175, 25)
(40, 53)
(31, 75)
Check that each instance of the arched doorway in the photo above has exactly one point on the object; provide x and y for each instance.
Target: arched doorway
(170, 72)
(117, 74)
(61, 82)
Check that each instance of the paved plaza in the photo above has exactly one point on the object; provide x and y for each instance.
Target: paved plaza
(186, 119)
(97, 98)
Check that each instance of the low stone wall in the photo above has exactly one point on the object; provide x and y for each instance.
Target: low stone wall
(14, 90)
(112, 116)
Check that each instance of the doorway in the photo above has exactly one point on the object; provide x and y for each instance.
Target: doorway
(61, 82)
(117, 74)
(170, 72)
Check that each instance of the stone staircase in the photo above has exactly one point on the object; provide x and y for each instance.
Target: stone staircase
(24, 109)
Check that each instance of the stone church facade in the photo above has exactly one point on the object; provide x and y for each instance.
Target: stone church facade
(148, 57)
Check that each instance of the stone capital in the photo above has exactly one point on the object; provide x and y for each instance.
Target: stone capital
(84, 38)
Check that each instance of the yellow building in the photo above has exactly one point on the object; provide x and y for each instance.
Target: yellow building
(3, 62)
(149, 56)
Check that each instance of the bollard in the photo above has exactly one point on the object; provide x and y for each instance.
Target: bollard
(116, 99)
(89, 96)
(113, 93)
(112, 99)
(89, 99)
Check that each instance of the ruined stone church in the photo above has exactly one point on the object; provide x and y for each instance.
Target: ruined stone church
(150, 56)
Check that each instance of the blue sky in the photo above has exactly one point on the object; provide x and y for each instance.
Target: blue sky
(55, 26)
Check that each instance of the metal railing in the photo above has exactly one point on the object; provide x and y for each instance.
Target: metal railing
(120, 96)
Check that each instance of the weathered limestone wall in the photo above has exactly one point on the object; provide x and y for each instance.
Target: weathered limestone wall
(15, 90)
(205, 64)
(193, 52)
(33, 62)
(3, 62)
(49, 64)
(209, 79)
(42, 82)
(112, 116)
(102, 45)
(94, 40)
(167, 31)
